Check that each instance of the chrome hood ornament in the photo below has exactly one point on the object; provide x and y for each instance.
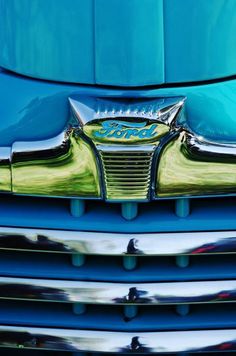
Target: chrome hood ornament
(121, 149)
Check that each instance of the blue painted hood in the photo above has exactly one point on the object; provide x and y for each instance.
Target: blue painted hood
(118, 42)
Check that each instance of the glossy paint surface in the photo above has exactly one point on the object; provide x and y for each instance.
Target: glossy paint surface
(48, 39)
(34, 110)
(120, 43)
(129, 42)
(199, 39)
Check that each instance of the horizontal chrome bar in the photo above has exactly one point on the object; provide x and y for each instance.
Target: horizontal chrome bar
(117, 293)
(126, 149)
(105, 243)
(120, 342)
(201, 147)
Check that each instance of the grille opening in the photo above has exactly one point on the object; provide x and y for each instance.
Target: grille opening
(110, 268)
(218, 214)
(127, 175)
(111, 318)
(206, 215)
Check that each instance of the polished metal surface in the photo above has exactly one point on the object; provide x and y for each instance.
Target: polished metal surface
(73, 164)
(119, 342)
(127, 172)
(199, 148)
(62, 166)
(105, 243)
(127, 133)
(163, 109)
(5, 169)
(117, 293)
(191, 166)
(121, 149)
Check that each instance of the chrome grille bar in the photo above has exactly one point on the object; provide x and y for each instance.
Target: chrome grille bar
(120, 244)
(117, 293)
(127, 172)
(120, 342)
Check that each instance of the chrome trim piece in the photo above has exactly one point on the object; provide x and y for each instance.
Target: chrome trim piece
(74, 164)
(200, 170)
(88, 292)
(126, 149)
(133, 126)
(62, 166)
(199, 147)
(164, 109)
(5, 169)
(127, 172)
(120, 342)
(105, 243)
(70, 162)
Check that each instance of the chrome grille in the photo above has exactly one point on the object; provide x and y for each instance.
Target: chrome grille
(127, 173)
(179, 295)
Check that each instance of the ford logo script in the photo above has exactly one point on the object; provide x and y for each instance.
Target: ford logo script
(126, 130)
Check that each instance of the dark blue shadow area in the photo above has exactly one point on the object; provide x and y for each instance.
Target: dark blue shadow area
(149, 269)
(206, 214)
(210, 316)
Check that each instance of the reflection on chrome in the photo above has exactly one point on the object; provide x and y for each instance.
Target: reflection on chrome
(211, 151)
(121, 149)
(120, 342)
(5, 169)
(72, 165)
(66, 162)
(105, 243)
(191, 167)
(117, 293)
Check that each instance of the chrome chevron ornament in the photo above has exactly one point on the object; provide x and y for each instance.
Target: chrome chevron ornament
(121, 149)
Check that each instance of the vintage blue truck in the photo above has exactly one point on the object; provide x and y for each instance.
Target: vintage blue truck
(117, 177)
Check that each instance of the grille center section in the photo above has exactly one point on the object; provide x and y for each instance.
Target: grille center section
(127, 171)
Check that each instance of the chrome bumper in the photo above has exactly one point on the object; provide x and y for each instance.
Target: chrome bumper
(92, 292)
(103, 243)
(120, 342)
(117, 293)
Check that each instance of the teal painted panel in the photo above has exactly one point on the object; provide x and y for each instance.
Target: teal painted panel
(200, 39)
(119, 42)
(129, 42)
(34, 110)
(50, 39)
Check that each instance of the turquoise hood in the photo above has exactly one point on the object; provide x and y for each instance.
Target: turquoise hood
(119, 42)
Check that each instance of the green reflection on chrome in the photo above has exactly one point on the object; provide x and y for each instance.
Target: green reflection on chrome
(68, 169)
(5, 169)
(180, 174)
